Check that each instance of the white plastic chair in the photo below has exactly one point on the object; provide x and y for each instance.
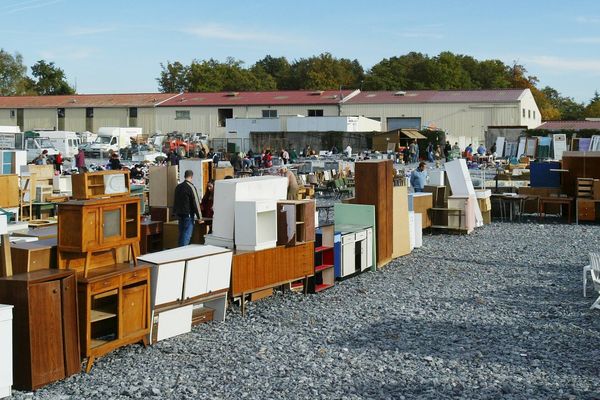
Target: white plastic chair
(595, 272)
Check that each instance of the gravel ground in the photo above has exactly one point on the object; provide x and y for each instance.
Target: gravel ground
(496, 314)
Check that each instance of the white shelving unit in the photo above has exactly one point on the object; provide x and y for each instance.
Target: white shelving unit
(230, 191)
(183, 279)
(256, 225)
(6, 349)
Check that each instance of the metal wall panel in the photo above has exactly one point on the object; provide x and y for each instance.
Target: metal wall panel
(40, 118)
(117, 117)
(75, 119)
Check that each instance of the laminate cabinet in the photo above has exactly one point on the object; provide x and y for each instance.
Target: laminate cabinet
(92, 185)
(6, 367)
(374, 185)
(400, 236)
(45, 328)
(114, 309)
(162, 181)
(295, 222)
(356, 249)
(255, 271)
(189, 286)
(9, 196)
(256, 225)
(90, 226)
(11, 161)
(422, 204)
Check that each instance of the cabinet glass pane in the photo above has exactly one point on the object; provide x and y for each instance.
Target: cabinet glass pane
(7, 157)
(112, 223)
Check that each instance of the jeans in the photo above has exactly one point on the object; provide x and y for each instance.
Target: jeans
(418, 190)
(186, 228)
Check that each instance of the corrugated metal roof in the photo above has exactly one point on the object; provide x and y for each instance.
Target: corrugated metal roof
(437, 96)
(85, 100)
(291, 97)
(570, 125)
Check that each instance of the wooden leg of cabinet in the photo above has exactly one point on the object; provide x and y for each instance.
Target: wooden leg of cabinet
(88, 260)
(90, 362)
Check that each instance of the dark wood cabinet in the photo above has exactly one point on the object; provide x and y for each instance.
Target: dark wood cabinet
(45, 328)
(374, 185)
(151, 237)
(114, 309)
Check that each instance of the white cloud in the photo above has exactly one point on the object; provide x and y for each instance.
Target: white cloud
(422, 35)
(566, 64)
(588, 19)
(26, 5)
(84, 30)
(81, 53)
(217, 31)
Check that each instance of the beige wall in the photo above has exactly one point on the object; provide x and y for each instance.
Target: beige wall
(40, 118)
(75, 119)
(205, 119)
(117, 117)
(146, 119)
(5, 119)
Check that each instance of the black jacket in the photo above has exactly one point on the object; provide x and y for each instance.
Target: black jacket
(185, 202)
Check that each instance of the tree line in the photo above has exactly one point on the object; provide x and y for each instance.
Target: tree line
(411, 71)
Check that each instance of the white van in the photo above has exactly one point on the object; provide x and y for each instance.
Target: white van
(65, 141)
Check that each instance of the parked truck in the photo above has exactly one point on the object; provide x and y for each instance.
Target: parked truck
(111, 138)
(66, 142)
(34, 143)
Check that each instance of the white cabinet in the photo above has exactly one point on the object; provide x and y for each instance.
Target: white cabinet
(219, 272)
(201, 169)
(172, 323)
(256, 225)
(62, 184)
(418, 221)
(369, 244)
(230, 191)
(411, 229)
(196, 277)
(6, 348)
(167, 281)
(348, 254)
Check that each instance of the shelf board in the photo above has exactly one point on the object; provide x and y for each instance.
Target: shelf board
(130, 220)
(99, 342)
(95, 185)
(322, 248)
(322, 287)
(323, 267)
(113, 292)
(299, 222)
(101, 314)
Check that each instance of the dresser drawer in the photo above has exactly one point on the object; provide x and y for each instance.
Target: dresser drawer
(105, 284)
(135, 276)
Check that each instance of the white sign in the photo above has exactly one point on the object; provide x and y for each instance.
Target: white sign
(559, 143)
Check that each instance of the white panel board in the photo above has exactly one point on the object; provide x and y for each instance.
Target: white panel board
(174, 322)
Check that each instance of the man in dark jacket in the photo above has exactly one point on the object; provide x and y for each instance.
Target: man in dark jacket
(187, 205)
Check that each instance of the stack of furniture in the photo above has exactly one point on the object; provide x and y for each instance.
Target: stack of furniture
(374, 183)
(6, 348)
(256, 225)
(113, 298)
(45, 340)
(578, 164)
(324, 274)
(189, 286)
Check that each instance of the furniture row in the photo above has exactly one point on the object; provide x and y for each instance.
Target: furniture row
(355, 249)
(189, 286)
(253, 271)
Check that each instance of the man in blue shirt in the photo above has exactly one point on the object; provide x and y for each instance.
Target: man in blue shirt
(481, 150)
(418, 178)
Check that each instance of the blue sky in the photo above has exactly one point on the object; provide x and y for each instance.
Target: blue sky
(110, 46)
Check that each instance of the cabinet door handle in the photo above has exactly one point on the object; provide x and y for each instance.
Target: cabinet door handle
(54, 291)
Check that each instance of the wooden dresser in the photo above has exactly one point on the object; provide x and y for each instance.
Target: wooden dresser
(114, 309)
(45, 329)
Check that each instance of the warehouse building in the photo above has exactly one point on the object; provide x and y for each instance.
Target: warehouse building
(82, 112)
(464, 115)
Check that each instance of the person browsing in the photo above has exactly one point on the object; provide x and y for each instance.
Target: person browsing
(418, 178)
(186, 206)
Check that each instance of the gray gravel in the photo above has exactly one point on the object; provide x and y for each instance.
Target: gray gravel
(496, 314)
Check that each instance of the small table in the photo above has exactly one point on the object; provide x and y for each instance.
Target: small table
(568, 201)
(457, 211)
(516, 201)
(39, 207)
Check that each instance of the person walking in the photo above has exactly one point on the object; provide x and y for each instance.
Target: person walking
(430, 152)
(114, 162)
(186, 206)
(285, 156)
(58, 163)
(80, 161)
(447, 150)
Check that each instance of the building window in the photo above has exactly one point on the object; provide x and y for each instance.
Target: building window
(13, 113)
(132, 112)
(523, 113)
(60, 112)
(315, 113)
(182, 114)
(224, 113)
(533, 114)
(528, 113)
(89, 112)
(269, 113)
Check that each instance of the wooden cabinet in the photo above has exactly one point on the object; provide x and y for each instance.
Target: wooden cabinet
(374, 185)
(189, 286)
(97, 225)
(151, 236)
(6, 349)
(162, 181)
(45, 329)
(114, 309)
(9, 195)
(33, 256)
(295, 222)
(422, 204)
(586, 209)
(101, 184)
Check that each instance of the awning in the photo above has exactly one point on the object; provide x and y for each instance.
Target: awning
(412, 134)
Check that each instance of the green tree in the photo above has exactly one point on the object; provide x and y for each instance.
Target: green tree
(593, 108)
(49, 79)
(173, 77)
(12, 74)
(568, 108)
(324, 72)
(277, 67)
